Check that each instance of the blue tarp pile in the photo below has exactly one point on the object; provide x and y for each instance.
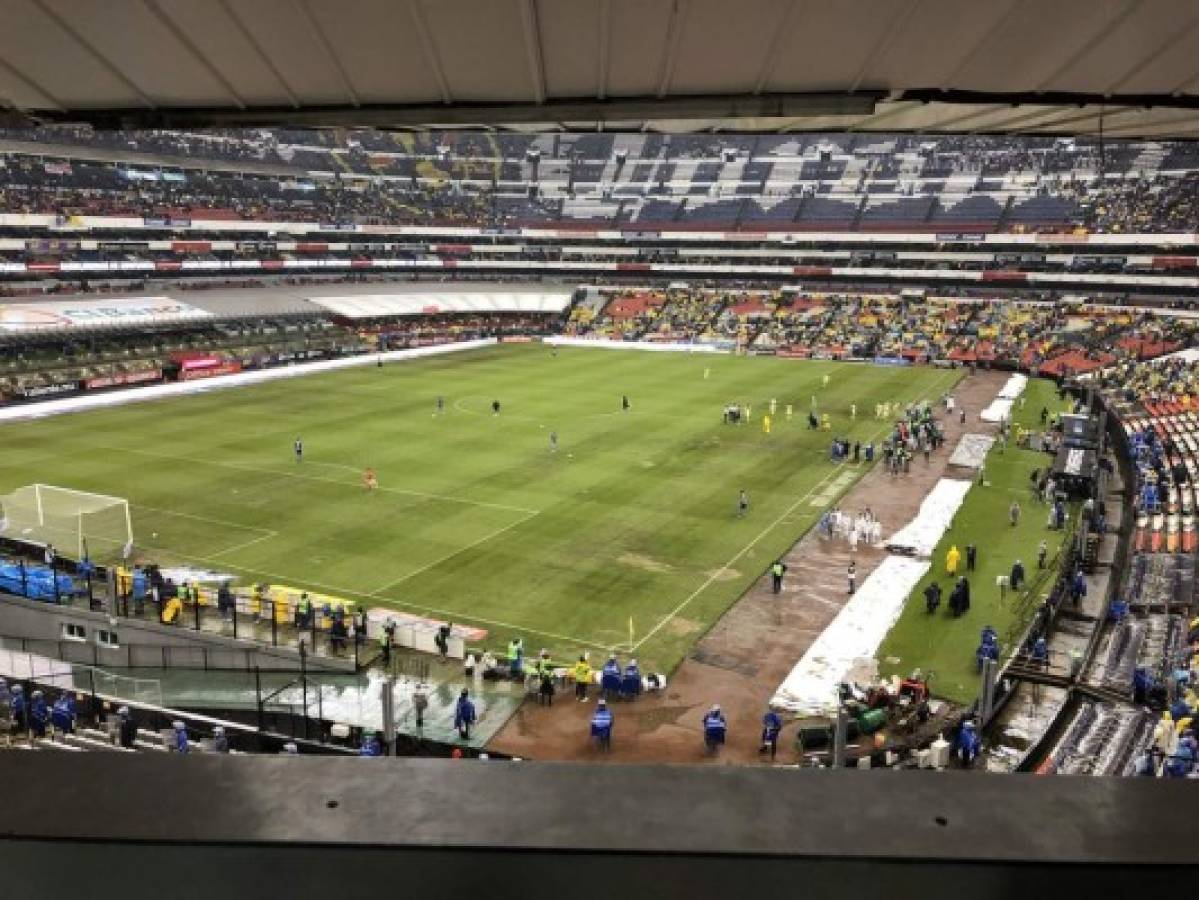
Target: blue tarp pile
(38, 583)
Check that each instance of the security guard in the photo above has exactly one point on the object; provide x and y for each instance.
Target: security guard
(516, 655)
(582, 674)
(385, 646)
(776, 575)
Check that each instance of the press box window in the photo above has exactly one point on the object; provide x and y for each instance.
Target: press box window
(73, 632)
(107, 638)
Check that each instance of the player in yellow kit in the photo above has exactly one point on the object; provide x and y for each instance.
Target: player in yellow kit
(766, 424)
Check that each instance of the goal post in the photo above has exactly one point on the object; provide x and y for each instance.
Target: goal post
(77, 522)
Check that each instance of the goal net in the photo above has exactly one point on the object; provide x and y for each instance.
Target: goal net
(75, 522)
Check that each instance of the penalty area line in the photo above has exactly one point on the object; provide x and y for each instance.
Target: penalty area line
(427, 566)
(221, 522)
(244, 544)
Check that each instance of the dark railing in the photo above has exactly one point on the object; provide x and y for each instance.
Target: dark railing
(139, 656)
(261, 621)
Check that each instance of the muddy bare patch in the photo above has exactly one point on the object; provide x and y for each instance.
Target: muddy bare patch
(648, 720)
(683, 627)
(645, 563)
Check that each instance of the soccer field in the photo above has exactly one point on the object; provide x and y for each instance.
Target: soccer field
(631, 522)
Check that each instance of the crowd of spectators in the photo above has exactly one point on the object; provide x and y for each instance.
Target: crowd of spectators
(495, 179)
(1054, 338)
(1157, 204)
(1169, 379)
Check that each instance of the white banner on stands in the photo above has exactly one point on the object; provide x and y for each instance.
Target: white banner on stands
(413, 303)
(921, 535)
(60, 314)
(175, 389)
(659, 346)
(851, 639)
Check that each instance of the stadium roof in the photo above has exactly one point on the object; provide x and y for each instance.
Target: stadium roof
(986, 66)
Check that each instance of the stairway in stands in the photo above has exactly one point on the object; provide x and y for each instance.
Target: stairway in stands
(90, 739)
(1149, 160)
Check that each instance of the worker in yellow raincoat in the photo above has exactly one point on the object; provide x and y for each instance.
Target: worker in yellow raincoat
(171, 612)
(952, 558)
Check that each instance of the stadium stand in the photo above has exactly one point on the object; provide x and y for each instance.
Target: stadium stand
(482, 178)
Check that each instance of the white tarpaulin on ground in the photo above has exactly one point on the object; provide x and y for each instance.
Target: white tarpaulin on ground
(971, 451)
(852, 638)
(921, 535)
(1001, 406)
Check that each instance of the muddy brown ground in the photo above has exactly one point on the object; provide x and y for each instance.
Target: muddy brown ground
(749, 651)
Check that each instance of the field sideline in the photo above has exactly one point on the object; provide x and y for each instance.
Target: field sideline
(476, 520)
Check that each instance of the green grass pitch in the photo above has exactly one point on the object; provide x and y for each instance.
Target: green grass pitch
(633, 518)
(942, 645)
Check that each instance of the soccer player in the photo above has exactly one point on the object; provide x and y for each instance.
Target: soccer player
(624, 402)
(742, 503)
(299, 448)
(369, 480)
(495, 407)
(553, 442)
(826, 380)
(440, 404)
(853, 411)
(773, 405)
(766, 424)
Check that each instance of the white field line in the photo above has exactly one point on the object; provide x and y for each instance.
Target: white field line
(740, 553)
(210, 521)
(244, 544)
(339, 590)
(453, 553)
(263, 471)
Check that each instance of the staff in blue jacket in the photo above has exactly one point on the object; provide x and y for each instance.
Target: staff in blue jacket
(179, 741)
(630, 685)
(610, 679)
(464, 714)
(714, 729)
(20, 709)
(968, 744)
(39, 715)
(601, 725)
(62, 714)
(772, 724)
(372, 746)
